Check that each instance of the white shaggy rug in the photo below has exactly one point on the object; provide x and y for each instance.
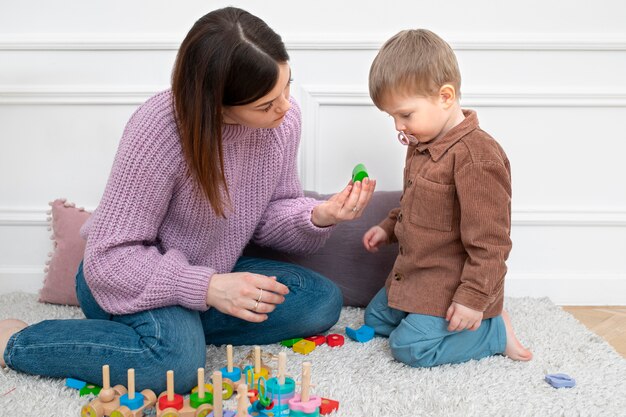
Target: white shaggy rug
(366, 381)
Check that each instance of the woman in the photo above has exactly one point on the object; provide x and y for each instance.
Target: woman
(201, 170)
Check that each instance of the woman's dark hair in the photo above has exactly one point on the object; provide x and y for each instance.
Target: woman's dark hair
(228, 58)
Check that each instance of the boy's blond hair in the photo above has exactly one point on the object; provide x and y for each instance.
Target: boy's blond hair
(412, 62)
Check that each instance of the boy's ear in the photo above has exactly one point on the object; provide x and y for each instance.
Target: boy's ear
(447, 94)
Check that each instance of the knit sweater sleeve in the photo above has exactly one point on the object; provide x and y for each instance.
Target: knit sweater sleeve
(286, 222)
(124, 266)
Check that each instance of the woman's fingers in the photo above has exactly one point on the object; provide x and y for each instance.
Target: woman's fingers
(359, 198)
(249, 315)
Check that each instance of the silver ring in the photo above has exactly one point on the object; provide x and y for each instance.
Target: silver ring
(355, 208)
(256, 305)
(258, 300)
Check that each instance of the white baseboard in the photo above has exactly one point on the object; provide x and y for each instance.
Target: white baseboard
(570, 288)
(562, 288)
(21, 278)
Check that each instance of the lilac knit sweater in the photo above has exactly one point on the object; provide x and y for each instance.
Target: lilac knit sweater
(154, 240)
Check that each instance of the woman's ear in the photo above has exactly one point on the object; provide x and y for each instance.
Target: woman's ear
(447, 95)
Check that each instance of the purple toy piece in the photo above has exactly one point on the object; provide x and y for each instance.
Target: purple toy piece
(560, 380)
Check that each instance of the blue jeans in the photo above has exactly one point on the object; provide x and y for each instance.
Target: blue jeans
(155, 341)
(424, 341)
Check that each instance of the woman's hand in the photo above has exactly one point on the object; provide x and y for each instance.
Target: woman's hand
(461, 318)
(245, 295)
(346, 205)
(375, 237)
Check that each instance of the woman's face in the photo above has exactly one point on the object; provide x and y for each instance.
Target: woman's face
(266, 112)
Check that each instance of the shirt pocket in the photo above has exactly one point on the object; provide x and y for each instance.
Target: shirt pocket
(432, 204)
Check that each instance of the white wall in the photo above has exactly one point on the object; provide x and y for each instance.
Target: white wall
(548, 80)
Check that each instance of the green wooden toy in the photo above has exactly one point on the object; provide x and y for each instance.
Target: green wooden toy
(290, 342)
(359, 173)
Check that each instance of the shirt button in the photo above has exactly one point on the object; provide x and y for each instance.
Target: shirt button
(397, 276)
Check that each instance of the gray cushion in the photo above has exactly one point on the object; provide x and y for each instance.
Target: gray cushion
(343, 258)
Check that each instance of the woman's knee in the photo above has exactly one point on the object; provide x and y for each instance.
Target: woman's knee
(181, 357)
(322, 302)
(329, 303)
(178, 345)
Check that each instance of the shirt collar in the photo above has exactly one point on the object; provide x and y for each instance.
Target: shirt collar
(438, 147)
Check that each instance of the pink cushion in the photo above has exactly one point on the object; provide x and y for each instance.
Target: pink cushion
(59, 281)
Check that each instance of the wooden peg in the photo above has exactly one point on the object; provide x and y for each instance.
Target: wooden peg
(201, 383)
(106, 393)
(257, 360)
(170, 385)
(242, 400)
(217, 394)
(229, 358)
(306, 381)
(282, 367)
(131, 384)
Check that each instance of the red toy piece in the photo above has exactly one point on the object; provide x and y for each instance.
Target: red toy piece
(334, 340)
(318, 339)
(328, 406)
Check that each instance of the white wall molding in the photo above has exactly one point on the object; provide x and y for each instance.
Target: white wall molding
(541, 217)
(313, 97)
(315, 42)
(24, 217)
(90, 42)
(480, 96)
(76, 94)
(317, 95)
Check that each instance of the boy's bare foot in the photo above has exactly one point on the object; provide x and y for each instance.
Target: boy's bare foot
(8, 328)
(514, 348)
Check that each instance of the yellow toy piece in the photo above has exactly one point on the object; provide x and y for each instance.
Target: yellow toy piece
(304, 346)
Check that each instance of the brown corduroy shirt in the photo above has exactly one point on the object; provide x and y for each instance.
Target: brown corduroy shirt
(453, 224)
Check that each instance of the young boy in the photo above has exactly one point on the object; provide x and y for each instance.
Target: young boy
(442, 302)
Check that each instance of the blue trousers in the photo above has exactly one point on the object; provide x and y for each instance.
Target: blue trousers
(158, 340)
(420, 340)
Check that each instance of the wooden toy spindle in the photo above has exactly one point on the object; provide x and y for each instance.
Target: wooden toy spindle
(282, 367)
(257, 360)
(242, 400)
(217, 394)
(131, 384)
(107, 394)
(170, 385)
(106, 377)
(200, 382)
(229, 358)
(306, 381)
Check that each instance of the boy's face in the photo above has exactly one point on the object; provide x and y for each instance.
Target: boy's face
(419, 116)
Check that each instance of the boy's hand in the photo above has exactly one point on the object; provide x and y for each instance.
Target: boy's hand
(461, 318)
(375, 237)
